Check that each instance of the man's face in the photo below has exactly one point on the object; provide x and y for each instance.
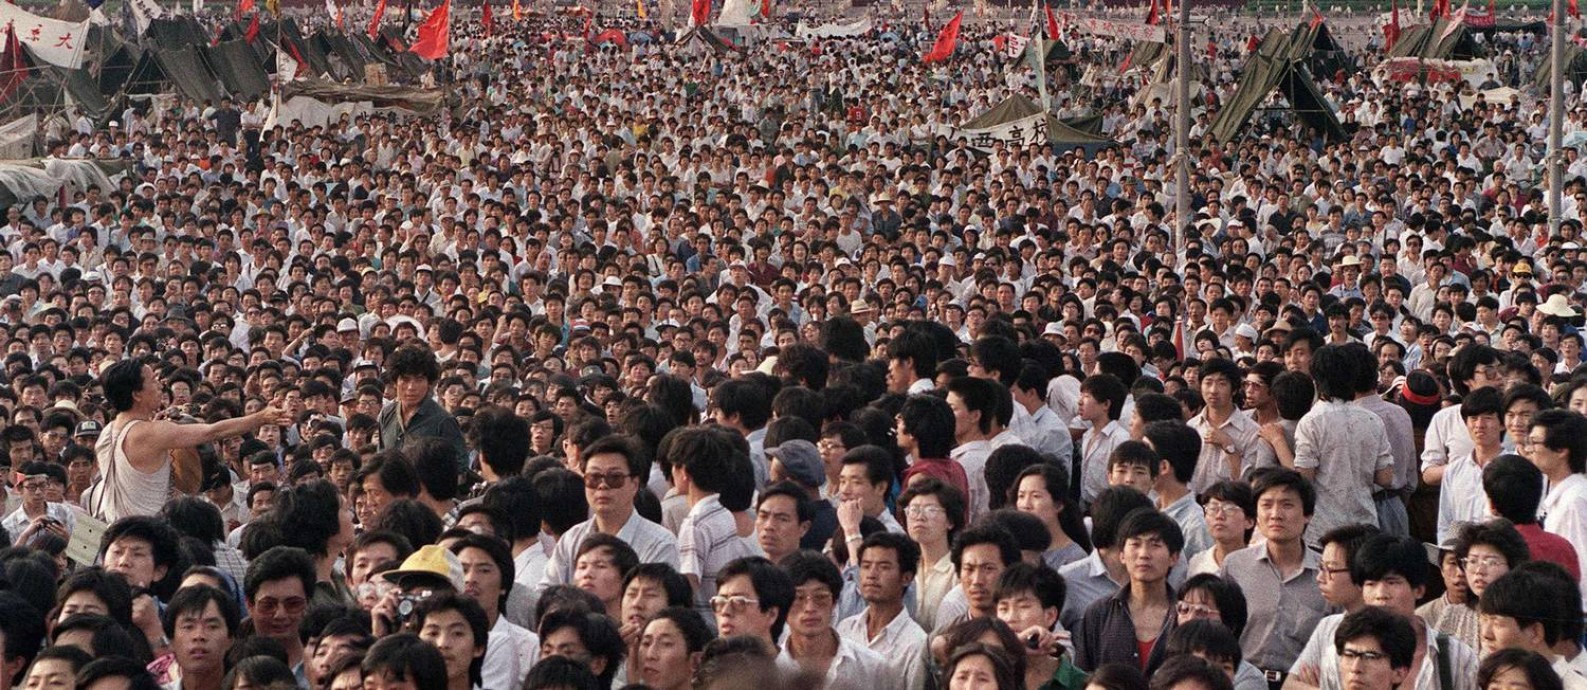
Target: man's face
(134, 558)
(1333, 577)
(1392, 592)
(777, 525)
(853, 485)
(980, 566)
(812, 609)
(1281, 515)
(740, 612)
(277, 608)
(481, 578)
(1023, 611)
(1364, 666)
(642, 599)
(200, 640)
(1148, 558)
(601, 472)
(1504, 632)
(881, 578)
(596, 572)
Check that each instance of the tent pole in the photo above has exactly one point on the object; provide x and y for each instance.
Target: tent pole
(1556, 113)
(1182, 129)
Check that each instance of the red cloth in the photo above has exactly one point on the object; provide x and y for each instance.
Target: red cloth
(435, 33)
(950, 472)
(946, 41)
(1547, 546)
(374, 22)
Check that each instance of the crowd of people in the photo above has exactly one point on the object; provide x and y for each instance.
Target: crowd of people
(672, 367)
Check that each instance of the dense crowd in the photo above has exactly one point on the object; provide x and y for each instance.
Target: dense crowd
(673, 366)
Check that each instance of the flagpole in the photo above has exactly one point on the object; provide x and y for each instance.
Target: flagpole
(1556, 116)
(1182, 127)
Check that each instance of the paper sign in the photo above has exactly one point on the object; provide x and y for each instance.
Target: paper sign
(87, 533)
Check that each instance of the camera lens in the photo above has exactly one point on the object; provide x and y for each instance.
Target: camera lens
(405, 607)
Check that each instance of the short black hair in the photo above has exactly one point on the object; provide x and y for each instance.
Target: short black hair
(929, 420)
(473, 614)
(1514, 487)
(1385, 555)
(1392, 631)
(951, 498)
(404, 656)
(516, 497)
(1564, 430)
(395, 472)
(772, 585)
(1109, 510)
(679, 592)
(984, 533)
(904, 548)
(1497, 534)
(598, 632)
(22, 626)
(1041, 581)
(1205, 638)
(1349, 539)
(1190, 669)
(413, 359)
(1519, 594)
(1282, 478)
(1178, 445)
(561, 673)
(434, 466)
(502, 439)
(1226, 593)
(805, 566)
(743, 397)
(280, 563)
(1482, 401)
(499, 551)
(193, 600)
(138, 677)
(1146, 522)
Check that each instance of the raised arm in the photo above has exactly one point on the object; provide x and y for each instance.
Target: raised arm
(160, 435)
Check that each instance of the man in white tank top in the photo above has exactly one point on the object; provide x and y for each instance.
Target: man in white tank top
(134, 452)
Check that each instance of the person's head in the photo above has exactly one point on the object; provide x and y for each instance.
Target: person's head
(488, 570)
(888, 563)
(1134, 464)
(1207, 596)
(1518, 669)
(118, 672)
(817, 585)
(201, 622)
(277, 588)
(1285, 501)
(1333, 369)
(980, 554)
(1474, 367)
(413, 370)
(1334, 578)
(129, 384)
(978, 666)
(1376, 647)
(502, 439)
(97, 591)
(1151, 543)
(313, 517)
(600, 564)
(975, 403)
(651, 587)
(1393, 572)
(143, 549)
(742, 404)
(1514, 488)
(1179, 448)
(783, 516)
(1483, 413)
(55, 668)
(456, 626)
(1116, 676)
(1514, 612)
(1488, 550)
(1208, 640)
(1557, 443)
(1230, 509)
(753, 597)
(583, 636)
(1189, 672)
(866, 476)
(1102, 397)
(671, 644)
(1108, 512)
(926, 425)
(1028, 596)
(404, 661)
(933, 510)
(21, 636)
(614, 469)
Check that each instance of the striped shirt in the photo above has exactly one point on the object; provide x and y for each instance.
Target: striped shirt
(708, 540)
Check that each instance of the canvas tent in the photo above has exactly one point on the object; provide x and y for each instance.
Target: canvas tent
(238, 69)
(1018, 121)
(1277, 64)
(700, 40)
(1442, 40)
(1575, 67)
(21, 180)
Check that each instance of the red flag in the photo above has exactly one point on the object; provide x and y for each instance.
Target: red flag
(1151, 15)
(1571, 8)
(1052, 23)
(765, 9)
(1316, 18)
(1391, 33)
(253, 29)
(946, 41)
(487, 20)
(517, 11)
(700, 12)
(244, 7)
(13, 67)
(374, 22)
(435, 33)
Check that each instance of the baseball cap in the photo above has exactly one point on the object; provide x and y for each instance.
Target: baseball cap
(802, 460)
(88, 427)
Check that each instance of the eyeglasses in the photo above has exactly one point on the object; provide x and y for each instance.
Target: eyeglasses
(1221, 508)
(292, 605)
(923, 511)
(733, 603)
(613, 480)
(1349, 654)
(1198, 610)
(1330, 573)
(1483, 562)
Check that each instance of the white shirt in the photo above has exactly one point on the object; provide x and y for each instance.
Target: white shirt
(901, 644)
(1447, 438)
(1043, 431)
(1096, 448)
(1346, 445)
(17, 521)
(972, 457)
(510, 653)
(1461, 498)
(1564, 512)
(853, 668)
(1321, 653)
(652, 542)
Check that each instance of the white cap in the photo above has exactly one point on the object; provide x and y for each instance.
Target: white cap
(1246, 330)
(346, 325)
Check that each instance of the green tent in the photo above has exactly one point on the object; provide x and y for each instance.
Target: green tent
(1440, 40)
(1018, 121)
(1278, 63)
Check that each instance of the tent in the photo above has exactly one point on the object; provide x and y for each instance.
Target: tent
(185, 68)
(1278, 63)
(1575, 67)
(239, 69)
(412, 99)
(1018, 121)
(700, 40)
(1442, 40)
(21, 180)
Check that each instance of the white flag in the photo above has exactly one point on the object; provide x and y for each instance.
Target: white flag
(145, 12)
(286, 67)
(51, 40)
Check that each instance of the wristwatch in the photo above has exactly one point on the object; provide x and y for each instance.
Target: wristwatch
(1229, 449)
